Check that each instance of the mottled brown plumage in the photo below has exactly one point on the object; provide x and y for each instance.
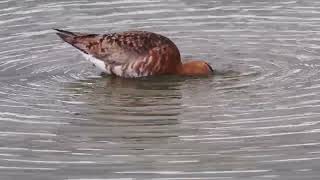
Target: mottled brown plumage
(133, 53)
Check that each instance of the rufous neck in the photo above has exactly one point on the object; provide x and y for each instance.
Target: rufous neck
(194, 68)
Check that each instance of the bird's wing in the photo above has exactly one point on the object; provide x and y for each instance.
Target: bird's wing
(119, 48)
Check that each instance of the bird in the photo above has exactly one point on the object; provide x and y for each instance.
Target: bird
(134, 54)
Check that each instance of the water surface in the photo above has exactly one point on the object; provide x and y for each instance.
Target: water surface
(258, 119)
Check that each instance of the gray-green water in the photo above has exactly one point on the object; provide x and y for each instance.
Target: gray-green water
(258, 120)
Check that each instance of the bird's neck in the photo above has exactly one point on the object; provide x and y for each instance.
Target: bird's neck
(193, 68)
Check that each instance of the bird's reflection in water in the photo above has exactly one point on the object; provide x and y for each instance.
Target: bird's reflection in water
(125, 110)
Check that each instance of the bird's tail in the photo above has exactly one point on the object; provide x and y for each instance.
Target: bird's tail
(81, 41)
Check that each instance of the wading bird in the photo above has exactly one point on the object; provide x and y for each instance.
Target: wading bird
(134, 54)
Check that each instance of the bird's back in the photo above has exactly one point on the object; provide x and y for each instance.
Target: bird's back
(127, 54)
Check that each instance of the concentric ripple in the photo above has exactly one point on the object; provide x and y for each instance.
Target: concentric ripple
(257, 118)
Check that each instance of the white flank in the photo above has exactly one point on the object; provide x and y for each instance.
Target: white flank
(117, 70)
(97, 62)
(131, 70)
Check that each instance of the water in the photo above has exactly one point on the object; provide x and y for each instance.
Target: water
(258, 119)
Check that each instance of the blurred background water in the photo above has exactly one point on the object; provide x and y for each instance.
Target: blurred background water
(258, 119)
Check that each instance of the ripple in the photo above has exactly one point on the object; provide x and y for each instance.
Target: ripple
(27, 168)
(203, 172)
(257, 118)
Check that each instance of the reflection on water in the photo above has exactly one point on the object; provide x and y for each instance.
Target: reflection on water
(257, 118)
(122, 106)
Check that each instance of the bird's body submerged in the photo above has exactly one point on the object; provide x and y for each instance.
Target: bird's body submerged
(133, 54)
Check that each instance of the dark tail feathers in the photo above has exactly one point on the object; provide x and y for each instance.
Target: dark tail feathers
(81, 41)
